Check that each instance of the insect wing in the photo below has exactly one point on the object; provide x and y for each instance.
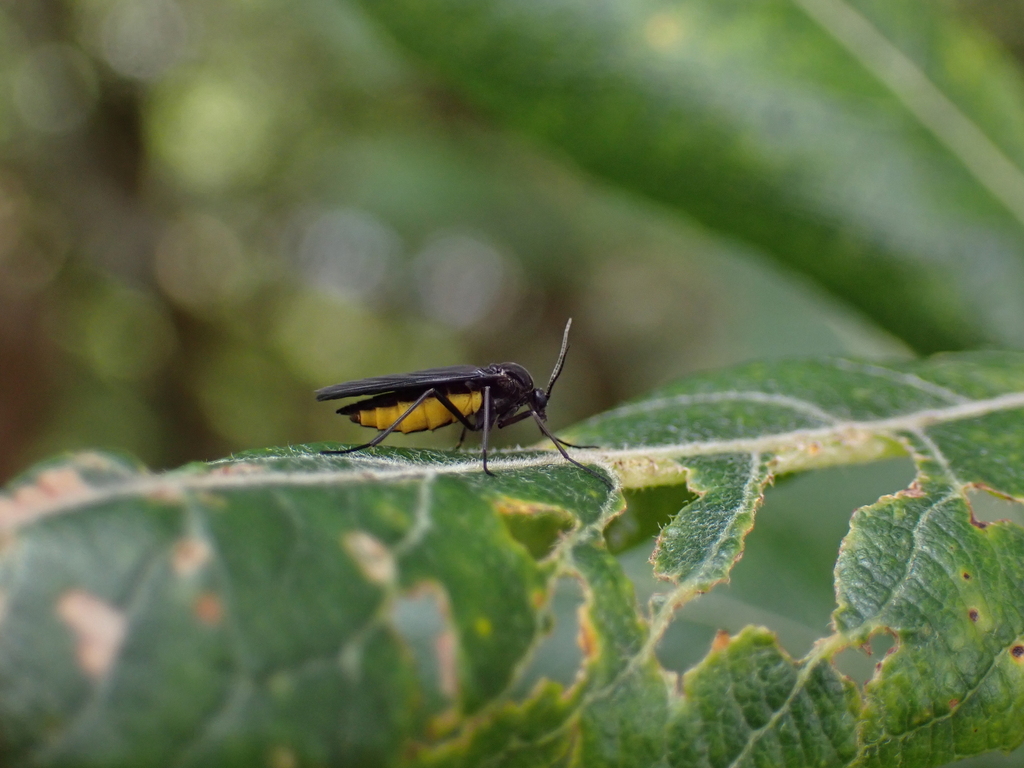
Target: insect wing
(431, 377)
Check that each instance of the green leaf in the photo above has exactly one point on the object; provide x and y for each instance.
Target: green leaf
(952, 590)
(702, 542)
(285, 607)
(748, 704)
(874, 146)
(224, 612)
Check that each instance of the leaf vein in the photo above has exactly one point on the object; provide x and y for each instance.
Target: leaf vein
(707, 398)
(900, 586)
(421, 518)
(798, 686)
(901, 377)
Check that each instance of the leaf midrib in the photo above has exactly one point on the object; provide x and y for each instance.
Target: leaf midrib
(846, 429)
(852, 433)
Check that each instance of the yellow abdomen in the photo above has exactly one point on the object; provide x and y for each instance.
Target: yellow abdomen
(429, 415)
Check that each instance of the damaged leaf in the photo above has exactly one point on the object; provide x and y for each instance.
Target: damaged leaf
(379, 608)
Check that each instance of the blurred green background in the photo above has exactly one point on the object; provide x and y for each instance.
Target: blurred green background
(210, 209)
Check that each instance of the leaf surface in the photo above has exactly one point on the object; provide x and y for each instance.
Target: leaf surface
(379, 608)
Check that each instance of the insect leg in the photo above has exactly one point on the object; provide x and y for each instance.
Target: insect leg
(561, 450)
(513, 419)
(459, 415)
(461, 438)
(520, 416)
(573, 445)
(394, 425)
(487, 425)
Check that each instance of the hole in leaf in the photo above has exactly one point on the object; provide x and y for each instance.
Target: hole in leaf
(697, 623)
(685, 643)
(785, 579)
(536, 527)
(647, 512)
(861, 664)
(988, 507)
(558, 656)
(422, 620)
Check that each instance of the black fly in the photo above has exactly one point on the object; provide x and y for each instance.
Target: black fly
(480, 399)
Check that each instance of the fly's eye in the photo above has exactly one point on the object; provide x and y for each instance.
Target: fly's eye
(540, 399)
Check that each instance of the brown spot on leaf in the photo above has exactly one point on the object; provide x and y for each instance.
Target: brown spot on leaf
(953, 703)
(973, 614)
(238, 468)
(8, 508)
(99, 630)
(587, 638)
(61, 482)
(510, 506)
(447, 670)
(914, 491)
(373, 558)
(721, 640)
(209, 609)
(37, 499)
(166, 493)
(189, 555)
(30, 496)
(1017, 651)
(967, 576)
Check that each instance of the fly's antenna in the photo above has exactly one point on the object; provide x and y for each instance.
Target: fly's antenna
(561, 358)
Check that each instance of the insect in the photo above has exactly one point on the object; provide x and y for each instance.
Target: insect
(481, 399)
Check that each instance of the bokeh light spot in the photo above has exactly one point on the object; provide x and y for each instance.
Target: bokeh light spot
(213, 135)
(348, 251)
(200, 262)
(143, 39)
(663, 31)
(461, 280)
